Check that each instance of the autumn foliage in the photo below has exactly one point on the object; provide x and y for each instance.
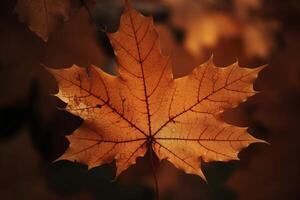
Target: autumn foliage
(145, 108)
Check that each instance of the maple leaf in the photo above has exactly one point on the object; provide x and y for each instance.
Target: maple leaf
(43, 16)
(145, 108)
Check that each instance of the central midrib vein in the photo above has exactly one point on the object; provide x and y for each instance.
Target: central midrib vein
(143, 75)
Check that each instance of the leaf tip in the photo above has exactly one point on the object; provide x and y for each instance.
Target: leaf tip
(211, 60)
(261, 141)
(45, 67)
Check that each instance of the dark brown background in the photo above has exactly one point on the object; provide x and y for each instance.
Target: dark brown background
(32, 129)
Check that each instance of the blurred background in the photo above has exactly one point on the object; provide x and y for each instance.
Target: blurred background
(255, 32)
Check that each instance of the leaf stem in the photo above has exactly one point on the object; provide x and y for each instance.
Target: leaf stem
(154, 174)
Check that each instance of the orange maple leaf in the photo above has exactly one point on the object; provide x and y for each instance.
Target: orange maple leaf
(145, 108)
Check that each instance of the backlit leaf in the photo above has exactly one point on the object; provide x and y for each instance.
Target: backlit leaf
(145, 108)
